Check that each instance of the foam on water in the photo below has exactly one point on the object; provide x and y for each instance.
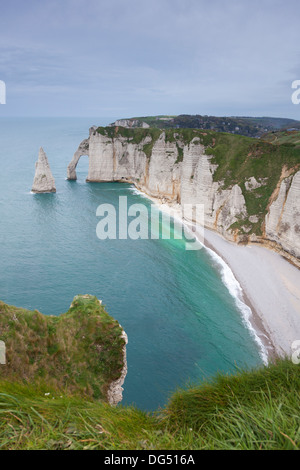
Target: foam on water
(236, 291)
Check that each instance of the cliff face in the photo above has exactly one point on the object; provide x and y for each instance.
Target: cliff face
(115, 391)
(222, 207)
(283, 219)
(180, 171)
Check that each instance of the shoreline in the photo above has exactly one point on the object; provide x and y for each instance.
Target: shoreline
(269, 285)
(254, 318)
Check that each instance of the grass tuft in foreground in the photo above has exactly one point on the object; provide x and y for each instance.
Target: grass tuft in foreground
(251, 410)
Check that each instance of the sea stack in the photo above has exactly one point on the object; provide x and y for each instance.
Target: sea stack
(43, 179)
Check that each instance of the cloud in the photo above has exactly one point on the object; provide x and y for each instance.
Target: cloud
(150, 57)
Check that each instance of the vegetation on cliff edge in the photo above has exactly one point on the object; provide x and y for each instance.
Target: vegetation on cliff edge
(79, 351)
(58, 367)
(239, 125)
(250, 410)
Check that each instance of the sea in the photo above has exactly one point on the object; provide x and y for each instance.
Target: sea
(181, 309)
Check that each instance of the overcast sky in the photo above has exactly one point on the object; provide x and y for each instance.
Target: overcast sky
(124, 58)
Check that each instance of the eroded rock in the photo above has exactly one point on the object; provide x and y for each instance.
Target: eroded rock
(43, 179)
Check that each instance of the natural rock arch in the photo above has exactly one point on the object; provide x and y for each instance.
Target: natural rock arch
(82, 150)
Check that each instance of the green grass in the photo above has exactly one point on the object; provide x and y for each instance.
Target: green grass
(53, 393)
(135, 136)
(80, 351)
(250, 410)
(289, 138)
(256, 410)
(248, 126)
(180, 154)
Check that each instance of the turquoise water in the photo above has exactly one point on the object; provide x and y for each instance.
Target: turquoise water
(182, 322)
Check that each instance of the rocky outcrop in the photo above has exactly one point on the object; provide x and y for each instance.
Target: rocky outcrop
(179, 172)
(115, 389)
(252, 183)
(82, 350)
(43, 179)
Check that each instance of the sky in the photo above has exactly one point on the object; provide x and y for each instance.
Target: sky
(125, 58)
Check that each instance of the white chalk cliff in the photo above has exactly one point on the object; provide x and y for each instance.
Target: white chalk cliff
(43, 179)
(183, 173)
(130, 123)
(115, 391)
(283, 218)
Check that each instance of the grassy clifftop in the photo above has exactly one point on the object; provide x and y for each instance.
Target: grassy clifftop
(248, 126)
(80, 351)
(58, 368)
(251, 410)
